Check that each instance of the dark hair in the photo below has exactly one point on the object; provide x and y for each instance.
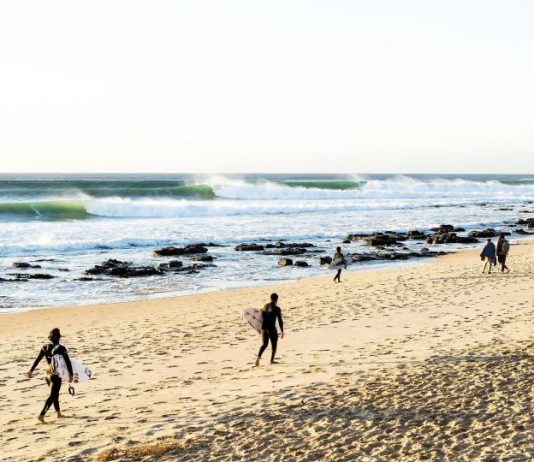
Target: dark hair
(489, 239)
(274, 297)
(338, 249)
(54, 335)
(502, 236)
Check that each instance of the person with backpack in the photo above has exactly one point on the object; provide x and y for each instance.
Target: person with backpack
(52, 352)
(488, 252)
(503, 247)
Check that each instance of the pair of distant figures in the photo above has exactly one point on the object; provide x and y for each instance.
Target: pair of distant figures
(493, 255)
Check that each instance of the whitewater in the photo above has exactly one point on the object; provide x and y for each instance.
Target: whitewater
(72, 222)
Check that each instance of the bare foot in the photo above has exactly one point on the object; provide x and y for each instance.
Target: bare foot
(41, 419)
(257, 363)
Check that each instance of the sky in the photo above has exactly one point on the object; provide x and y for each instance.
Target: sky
(327, 86)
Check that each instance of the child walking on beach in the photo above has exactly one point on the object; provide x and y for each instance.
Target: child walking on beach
(53, 381)
(271, 312)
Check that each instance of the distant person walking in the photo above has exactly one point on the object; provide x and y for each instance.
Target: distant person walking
(503, 247)
(489, 254)
(271, 312)
(339, 256)
(53, 381)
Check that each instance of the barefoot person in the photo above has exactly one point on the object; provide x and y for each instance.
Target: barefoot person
(488, 253)
(271, 312)
(338, 256)
(503, 247)
(53, 381)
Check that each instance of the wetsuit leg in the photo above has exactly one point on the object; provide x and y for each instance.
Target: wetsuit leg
(273, 335)
(265, 340)
(338, 275)
(54, 382)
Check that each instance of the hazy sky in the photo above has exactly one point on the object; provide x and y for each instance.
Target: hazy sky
(271, 86)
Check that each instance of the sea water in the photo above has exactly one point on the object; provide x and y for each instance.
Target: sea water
(72, 222)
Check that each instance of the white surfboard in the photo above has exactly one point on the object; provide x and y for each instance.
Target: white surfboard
(80, 373)
(340, 263)
(254, 317)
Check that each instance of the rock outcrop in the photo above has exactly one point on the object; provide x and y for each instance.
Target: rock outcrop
(172, 251)
(249, 247)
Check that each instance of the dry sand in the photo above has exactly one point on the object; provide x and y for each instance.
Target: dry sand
(431, 362)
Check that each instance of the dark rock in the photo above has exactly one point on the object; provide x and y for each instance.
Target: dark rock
(522, 231)
(63, 270)
(175, 264)
(392, 255)
(417, 235)
(443, 229)
(190, 249)
(123, 269)
(378, 239)
(459, 229)
(195, 248)
(347, 241)
(206, 258)
(529, 222)
(483, 234)
(203, 265)
(169, 251)
(285, 245)
(44, 259)
(450, 238)
(85, 279)
(24, 265)
(249, 247)
(301, 264)
(325, 260)
(285, 262)
(32, 276)
(290, 251)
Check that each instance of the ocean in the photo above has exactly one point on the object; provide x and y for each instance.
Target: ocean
(68, 223)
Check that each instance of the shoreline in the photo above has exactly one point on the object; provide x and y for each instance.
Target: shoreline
(179, 369)
(49, 263)
(368, 267)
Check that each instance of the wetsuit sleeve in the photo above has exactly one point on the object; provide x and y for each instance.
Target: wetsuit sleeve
(67, 360)
(280, 321)
(38, 359)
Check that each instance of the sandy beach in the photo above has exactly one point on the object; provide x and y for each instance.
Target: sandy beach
(426, 362)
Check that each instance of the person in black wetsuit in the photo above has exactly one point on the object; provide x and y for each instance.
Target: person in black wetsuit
(53, 381)
(338, 256)
(271, 312)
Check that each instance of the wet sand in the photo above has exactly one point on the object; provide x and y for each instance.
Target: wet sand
(430, 362)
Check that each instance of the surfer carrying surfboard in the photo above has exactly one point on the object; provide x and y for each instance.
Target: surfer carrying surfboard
(339, 257)
(52, 380)
(271, 313)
